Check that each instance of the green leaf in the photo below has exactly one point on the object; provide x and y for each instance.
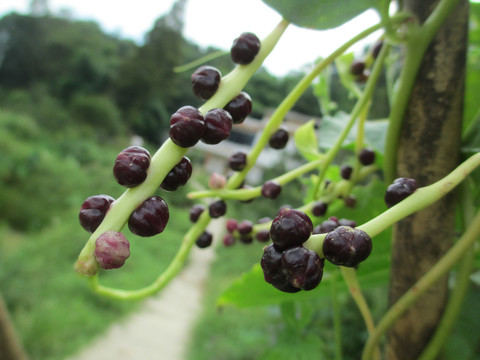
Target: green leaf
(306, 141)
(320, 14)
(330, 128)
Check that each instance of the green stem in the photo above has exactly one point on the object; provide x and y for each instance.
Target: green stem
(172, 270)
(458, 293)
(356, 111)
(247, 194)
(463, 245)
(417, 43)
(170, 154)
(350, 277)
(337, 321)
(419, 200)
(279, 114)
(195, 63)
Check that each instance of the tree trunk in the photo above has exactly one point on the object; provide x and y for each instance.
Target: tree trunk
(10, 348)
(428, 150)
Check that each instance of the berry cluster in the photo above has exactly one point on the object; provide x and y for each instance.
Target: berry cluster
(359, 69)
(286, 264)
(148, 219)
(244, 232)
(331, 224)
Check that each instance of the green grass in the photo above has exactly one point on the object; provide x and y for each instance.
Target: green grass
(44, 178)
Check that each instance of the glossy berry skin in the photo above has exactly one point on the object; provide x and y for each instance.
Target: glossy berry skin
(245, 227)
(346, 172)
(150, 218)
(218, 124)
(271, 189)
(239, 107)
(238, 161)
(217, 209)
(366, 156)
(195, 212)
(245, 48)
(290, 228)
(273, 273)
(187, 126)
(131, 165)
(327, 226)
(399, 190)
(178, 176)
(111, 250)
(357, 67)
(319, 208)
(205, 82)
(93, 210)
(263, 235)
(347, 246)
(302, 267)
(347, 222)
(204, 240)
(279, 139)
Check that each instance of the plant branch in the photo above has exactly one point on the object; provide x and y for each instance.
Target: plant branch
(463, 245)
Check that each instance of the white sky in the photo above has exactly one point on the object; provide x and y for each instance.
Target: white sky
(212, 22)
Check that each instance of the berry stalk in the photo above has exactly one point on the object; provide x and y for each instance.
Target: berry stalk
(170, 155)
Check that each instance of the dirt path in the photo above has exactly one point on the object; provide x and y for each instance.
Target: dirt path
(161, 328)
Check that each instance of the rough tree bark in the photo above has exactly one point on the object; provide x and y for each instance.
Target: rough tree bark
(429, 149)
(10, 347)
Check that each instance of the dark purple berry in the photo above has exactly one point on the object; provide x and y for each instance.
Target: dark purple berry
(350, 201)
(357, 67)
(245, 48)
(195, 212)
(263, 235)
(204, 240)
(111, 250)
(93, 210)
(376, 48)
(150, 218)
(218, 124)
(245, 227)
(346, 172)
(178, 176)
(347, 246)
(187, 126)
(217, 209)
(399, 190)
(290, 228)
(231, 225)
(205, 81)
(279, 139)
(303, 267)
(240, 107)
(237, 161)
(366, 156)
(271, 264)
(271, 189)
(131, 166)
(319, 208)
(347, 222)
(327, 226)
(228, 240)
